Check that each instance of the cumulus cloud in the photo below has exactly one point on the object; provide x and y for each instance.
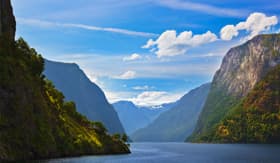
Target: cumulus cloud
(254, 25)
(132, 57)
(154, 98)
(127, 75)
(171, 44)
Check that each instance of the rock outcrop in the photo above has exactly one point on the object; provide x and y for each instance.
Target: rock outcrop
(245, 65)
(241, 69)
(7, 20)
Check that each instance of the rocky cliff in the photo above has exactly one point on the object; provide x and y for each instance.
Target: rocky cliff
(7, 20)
(241, 69)
(245, 65)
(256, 119)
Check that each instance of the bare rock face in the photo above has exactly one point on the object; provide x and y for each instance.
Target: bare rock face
(7, 20)
(245, 65)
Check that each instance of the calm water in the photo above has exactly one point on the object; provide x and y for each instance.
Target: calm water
(186, 153)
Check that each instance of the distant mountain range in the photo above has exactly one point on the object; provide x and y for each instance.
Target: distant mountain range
(178, 122)
(89, 98)
(242, 71)
(135, 117)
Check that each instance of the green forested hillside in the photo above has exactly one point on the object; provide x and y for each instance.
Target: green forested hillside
(242, 67)
(257, 118)
(35, 121)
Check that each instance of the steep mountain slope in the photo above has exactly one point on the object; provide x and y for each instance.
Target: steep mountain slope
(134, 117)
(256, 119)
(178, 122)
(89, 98)
(35, 121)
(241, 69)
(7, 21)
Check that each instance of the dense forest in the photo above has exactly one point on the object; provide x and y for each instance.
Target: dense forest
(257, 118)
(35, 120)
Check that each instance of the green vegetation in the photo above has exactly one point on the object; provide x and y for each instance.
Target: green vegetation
(216, 107)
(241, 68)
(256, 119)
(35, 121)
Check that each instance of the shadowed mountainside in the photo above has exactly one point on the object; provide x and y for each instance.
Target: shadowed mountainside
(178, 122)
(89, 98)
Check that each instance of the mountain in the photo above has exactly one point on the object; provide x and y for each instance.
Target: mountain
(89, 98)
(242, 67)
(134, 117)
(178, 122)
(7, 21)
(256, 119)
(35, 121)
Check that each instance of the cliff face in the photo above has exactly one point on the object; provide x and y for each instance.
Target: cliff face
(245, 65)
(256, 119)
(7, 20)
(241, 69)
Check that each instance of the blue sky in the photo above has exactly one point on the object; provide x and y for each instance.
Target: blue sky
(148, 51)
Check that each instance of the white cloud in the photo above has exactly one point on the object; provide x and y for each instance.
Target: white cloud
(149, 44)
(145, 87)
(254, 25)
(118, 96)
(155, 98)
(48, 24)
(127, 75)
(132, 57)
(169, 44)
(228, 32)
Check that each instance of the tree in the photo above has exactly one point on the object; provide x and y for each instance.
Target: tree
(117, 136)
(99, 127)
(124, 138)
